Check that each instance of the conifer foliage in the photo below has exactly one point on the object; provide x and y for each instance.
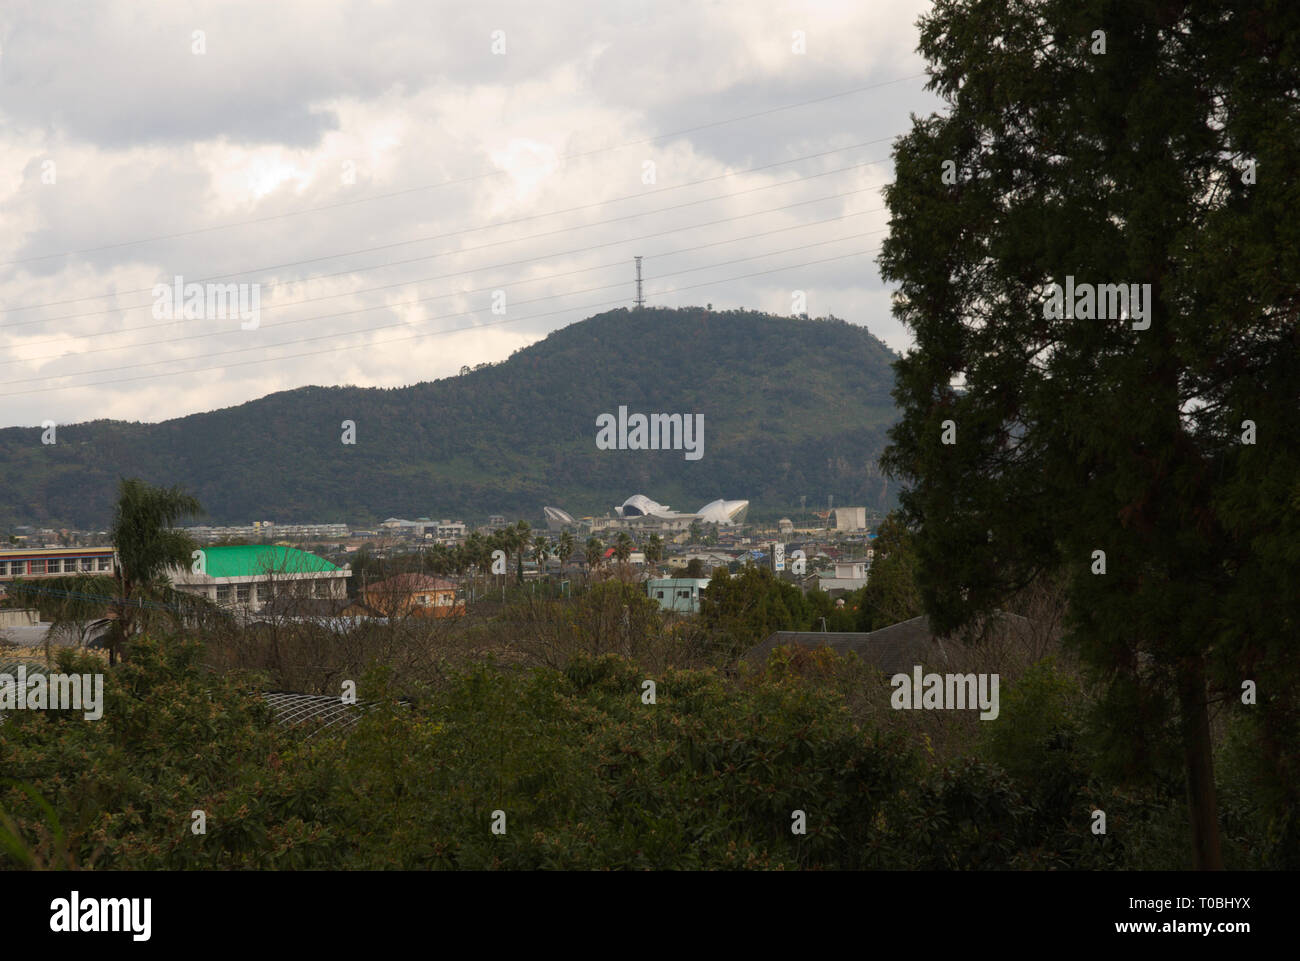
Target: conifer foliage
(1097, 249)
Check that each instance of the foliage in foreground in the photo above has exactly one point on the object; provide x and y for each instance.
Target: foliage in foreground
(588, 775)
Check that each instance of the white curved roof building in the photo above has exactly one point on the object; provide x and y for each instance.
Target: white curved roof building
(723, 512)
(638, 505)
(557, 519)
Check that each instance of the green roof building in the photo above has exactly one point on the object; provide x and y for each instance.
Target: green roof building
(248, 576)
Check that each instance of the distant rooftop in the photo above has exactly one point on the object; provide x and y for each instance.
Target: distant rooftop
(894, 649)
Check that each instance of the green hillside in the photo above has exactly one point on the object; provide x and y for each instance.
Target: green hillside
(790, 407)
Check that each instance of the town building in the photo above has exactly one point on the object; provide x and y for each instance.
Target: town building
(850, 575)
(655, 522)
(850, 518)
(399, 527)
(450, 532)
(680, 594)
(724, 512)
(33, 562)
(268, 531)
(414, 594)
(643, 512)
(558, 520)
(712, 560)
(247, 577)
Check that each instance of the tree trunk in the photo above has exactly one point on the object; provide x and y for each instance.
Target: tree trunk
(1202, 805)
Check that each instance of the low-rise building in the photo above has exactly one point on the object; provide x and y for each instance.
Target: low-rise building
(711, 560)
(266, 530)
(447, 531)
(248, 576)
(414, 594)
(656, 522)
(850, 518)
(680, 594)
(850, 575)
(35, 562)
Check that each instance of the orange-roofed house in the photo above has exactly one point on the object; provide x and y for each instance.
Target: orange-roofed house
(414, 594)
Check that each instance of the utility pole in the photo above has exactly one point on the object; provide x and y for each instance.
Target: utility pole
(640, 300)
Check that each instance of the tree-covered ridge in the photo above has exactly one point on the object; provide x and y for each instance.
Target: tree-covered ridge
(791, 406)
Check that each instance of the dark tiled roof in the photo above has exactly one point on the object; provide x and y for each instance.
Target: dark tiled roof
(894, 649)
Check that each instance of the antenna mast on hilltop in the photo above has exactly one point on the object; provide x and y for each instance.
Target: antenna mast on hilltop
(640, 300)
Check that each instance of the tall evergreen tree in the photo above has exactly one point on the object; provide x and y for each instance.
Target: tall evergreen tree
(1086, 142)
(890, 595)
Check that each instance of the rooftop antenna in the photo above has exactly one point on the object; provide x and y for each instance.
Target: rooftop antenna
(640, 300)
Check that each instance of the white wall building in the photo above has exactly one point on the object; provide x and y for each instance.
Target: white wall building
(850, 518)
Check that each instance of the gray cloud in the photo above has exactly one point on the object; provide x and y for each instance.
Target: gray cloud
(148, 139)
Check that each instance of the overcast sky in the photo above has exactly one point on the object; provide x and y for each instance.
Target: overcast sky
(380, 171)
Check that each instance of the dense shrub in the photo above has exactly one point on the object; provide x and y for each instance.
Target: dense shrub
(587, 774)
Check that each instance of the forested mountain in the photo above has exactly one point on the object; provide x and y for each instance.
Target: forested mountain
(791, 407)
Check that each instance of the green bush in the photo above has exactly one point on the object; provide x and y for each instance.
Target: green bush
(587, 774)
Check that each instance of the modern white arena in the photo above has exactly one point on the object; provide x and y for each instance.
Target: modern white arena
(719, 511)
(724, 512)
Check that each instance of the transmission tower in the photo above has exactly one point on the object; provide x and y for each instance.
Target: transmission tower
(640, 300)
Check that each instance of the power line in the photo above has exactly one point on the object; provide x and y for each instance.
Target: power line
(460, 180)
(328, 350)
(452, 233)
(360, 310)
(459, 273)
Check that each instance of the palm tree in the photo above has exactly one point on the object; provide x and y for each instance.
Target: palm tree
(566, 548)
(498, 541)
(541, 551)
(147, 543)
(477, 550)
(476, 553)
(523, 539)
(593, 554)
(442, 559)
(622, 547)
(654, 549)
